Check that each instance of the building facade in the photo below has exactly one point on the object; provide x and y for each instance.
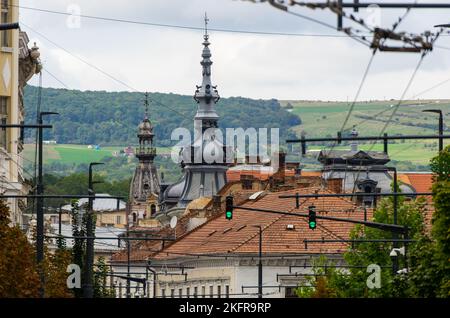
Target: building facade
(18, 64)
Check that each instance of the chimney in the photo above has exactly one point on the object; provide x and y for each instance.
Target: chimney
(334, 185)
(298, 171)
(354, 143)
(281, 164)
(217, 201)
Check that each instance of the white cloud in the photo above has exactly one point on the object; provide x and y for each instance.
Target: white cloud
(167, 60)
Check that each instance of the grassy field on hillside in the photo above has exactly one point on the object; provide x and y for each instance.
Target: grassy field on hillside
(75, 154)
(326, 118)
(414, 152)
(319, 119)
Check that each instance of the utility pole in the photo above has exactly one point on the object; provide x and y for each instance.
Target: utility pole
(40, 205)
(59, 219)
(260, 273)
(88, 290)
(128, 251)
(441, 125)
(395, 199)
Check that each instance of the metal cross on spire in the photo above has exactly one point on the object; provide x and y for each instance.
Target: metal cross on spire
(206, 26)
(146, 104)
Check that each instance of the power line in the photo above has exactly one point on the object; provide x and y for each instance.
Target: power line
(54, 77)
(98, 69)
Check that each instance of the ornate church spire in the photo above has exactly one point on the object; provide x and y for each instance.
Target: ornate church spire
(206, 94)
(145, 181)
(146, 151)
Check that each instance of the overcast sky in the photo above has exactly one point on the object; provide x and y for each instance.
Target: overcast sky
(158, 59)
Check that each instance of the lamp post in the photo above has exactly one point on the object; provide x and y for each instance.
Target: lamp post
(441, 125)
(40, 203)
(88, 291)
(260, 276)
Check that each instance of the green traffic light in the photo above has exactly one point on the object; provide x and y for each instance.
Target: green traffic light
(312, 225)
(229, 215)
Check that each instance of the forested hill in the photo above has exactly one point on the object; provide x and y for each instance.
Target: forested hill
(99, 117)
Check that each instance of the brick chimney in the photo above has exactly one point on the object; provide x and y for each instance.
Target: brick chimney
(335, 185)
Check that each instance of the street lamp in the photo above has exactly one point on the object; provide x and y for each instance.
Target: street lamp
(441, 125)
(394, 256)
(88, 291)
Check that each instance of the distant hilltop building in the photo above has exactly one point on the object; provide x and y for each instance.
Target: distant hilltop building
(128, 151)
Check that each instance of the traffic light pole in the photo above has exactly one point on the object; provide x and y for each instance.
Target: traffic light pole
(381, 226)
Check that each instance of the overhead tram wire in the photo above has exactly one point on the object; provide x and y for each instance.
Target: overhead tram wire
(99, 70)
(419, 64)
(327, 25)
(55, 78)
(358, 92)
(186, 27)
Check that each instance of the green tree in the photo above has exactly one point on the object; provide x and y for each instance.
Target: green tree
(101, 277)
(18, 273)
(351, 282)
(430, 276)
(428, 259)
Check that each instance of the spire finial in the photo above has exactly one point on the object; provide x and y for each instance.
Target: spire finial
(146, 105)
(206, 27)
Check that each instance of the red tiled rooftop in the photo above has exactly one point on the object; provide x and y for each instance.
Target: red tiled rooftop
(239, 236)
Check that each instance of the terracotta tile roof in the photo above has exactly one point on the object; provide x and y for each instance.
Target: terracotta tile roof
(422, 182)
(220, 236)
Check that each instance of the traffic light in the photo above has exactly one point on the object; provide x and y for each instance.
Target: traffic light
(312, 217)
(229, 207)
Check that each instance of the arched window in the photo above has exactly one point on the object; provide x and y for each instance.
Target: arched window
(134, 217)
(153, 209)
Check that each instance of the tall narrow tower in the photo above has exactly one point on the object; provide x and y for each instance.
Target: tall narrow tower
(144, 189)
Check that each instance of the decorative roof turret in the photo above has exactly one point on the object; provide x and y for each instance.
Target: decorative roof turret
(146, 151)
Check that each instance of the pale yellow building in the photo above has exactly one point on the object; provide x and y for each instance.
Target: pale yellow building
(18, 64)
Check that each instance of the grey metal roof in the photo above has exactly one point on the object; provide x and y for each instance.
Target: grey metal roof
(100, 204)
(99, 244)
